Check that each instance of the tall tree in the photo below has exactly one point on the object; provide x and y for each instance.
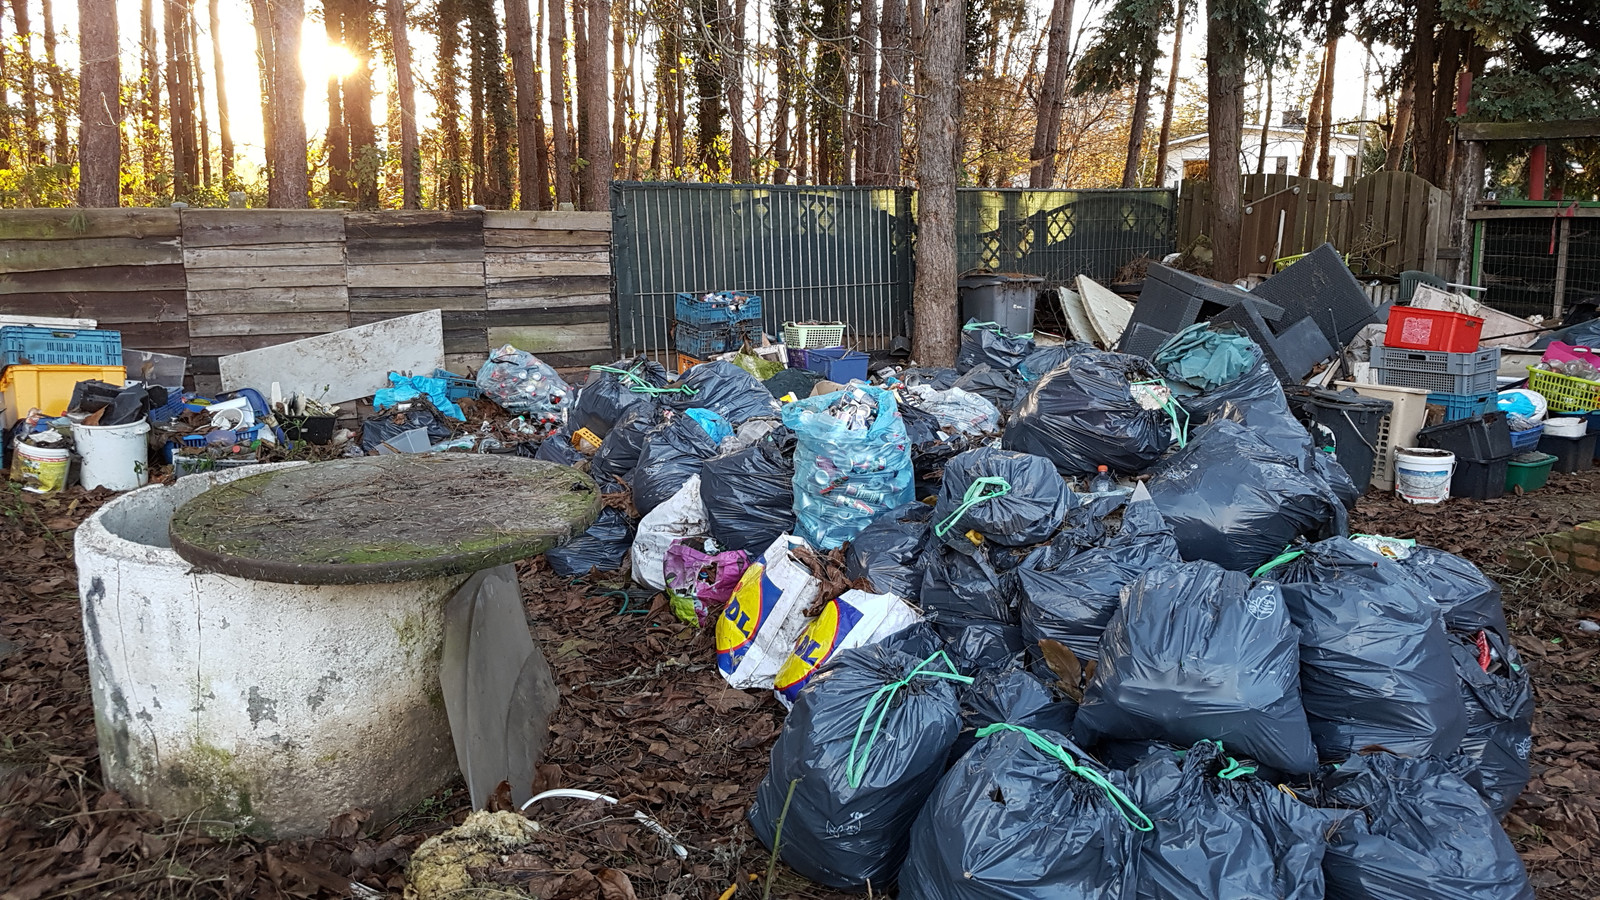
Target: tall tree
(783, 21)
(1235, 30)
(180, 98)
(869, 133)
(266, 63)
(1397, 130)
(224, 126)
(288, 185)
(938, 74)
(1123, 54)
(733, 69)
(892, 93)
(449, 98)
(1325, 111)
(1052, 97)
(358, 19)
(1164, 141)
(99, 104)
(532, 177)
(27, 73)
(560, 143)
(410, 150)
(58, 91)
(595, 65)
(831, 91)
(1308, 146)
(338, 134)
(197, 71)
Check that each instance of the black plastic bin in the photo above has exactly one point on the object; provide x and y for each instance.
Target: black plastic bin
(1479, 479)
(1480, 438)
(1573, 454)
(1005, 298)
(1354, 421)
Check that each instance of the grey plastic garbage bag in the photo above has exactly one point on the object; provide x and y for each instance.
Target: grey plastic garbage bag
(1469, 599)
(1025, 815)
(1196, 652)
(1010, 499)
(1232, 499)
(983, 646)
(726, 389)
(885, 552)
(1009, 694)
(673, 452)
(1499, 703)
(1072, 603)
(865, 745)
(1375, 666)
(987, 344)
(619, 450)
(1220, 832)
(1418, 831)
(1042, 361)
(1083, 415)
(604, 546)
(960, 589)
(749, 494)
(610, 390)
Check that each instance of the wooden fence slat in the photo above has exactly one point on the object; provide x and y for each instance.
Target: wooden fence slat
(107, 278)
(517, 239)
(88, 253)
(109, 308)
(266, 323)
(546, 220)
(450, 274)
(78, 224)
(282, 300)
(282, 255)
(265, 276)
(227, 227)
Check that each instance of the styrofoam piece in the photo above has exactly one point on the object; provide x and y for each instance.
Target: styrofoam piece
(342, 365)
(1077, 319)
(1107, 312)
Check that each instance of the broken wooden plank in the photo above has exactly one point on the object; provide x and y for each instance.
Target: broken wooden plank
(345, 365)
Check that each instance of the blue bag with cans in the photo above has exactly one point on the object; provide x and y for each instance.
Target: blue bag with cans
(852, 462)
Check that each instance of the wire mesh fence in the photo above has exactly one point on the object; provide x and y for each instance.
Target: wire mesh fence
(1518, 265)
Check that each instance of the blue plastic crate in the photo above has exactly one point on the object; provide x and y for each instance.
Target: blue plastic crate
(1524, 441)
(457, 387)
(720, 308)
(704, 343)
(26, 344)
(838, 363)
(1464, 406)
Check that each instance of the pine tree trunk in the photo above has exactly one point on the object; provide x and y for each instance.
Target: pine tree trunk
(710, 87)
(783, 12)
(892, 92)
(1266, 124)
(938, 80)
(1308, 144)
(1141, 111)
(58, 94)
(832, 110)
(1397, 134)
(1165, 140)
(869, 165)
(449, 91)
(530, 99)
(195, 69)
(596, 74)
(1052, 98)
(733, 69)
(177, 94)
(410, 152)
(560, 141)
(291, 187)
(363, 131)
(99, 104)
(621, 91)
(224, 127)
(497, 97)
(27, 73)
(1325, 121)
(338, 134)
(266, 57)
(1225, 98)
(7, 129)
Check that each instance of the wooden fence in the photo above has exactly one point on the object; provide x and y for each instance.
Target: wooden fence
(1387, 222)
(205, 283)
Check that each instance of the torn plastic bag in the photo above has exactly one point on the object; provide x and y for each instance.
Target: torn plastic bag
(863, 747)
(699, 581)
(1499, 703)
(1234, 500)
(1010, 499)
(1221, 832)
(409, 387)
(852, 462)
(682, 516)
(1196, 652)
(673, 451)
(1013, 695)
(749, 495)
(987, 344)
(1084, 414)
(854, 619)
(1417, 831)
(557, 448)
(1025, 815)
(1469, 599)
(381, 427)
(520, 382)
(758, 628)
(604, 547)
(611, 390)
(885, 552)
(726, 389)
(960, 589)
(1375, 666)
(1072, 603)
(619, 451)
(1044, 360)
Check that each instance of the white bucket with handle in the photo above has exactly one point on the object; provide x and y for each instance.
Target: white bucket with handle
(114, 456)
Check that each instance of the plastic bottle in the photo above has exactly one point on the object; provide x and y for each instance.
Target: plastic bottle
(1102, 482)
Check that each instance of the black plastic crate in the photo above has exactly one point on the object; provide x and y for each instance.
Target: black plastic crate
(1573, 454)
(1479, 480)
(1479, 439)
(1353, 421)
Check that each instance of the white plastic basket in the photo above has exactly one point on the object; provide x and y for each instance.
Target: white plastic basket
(811, 336)
(1398, 429)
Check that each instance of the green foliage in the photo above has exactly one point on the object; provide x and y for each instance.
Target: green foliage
(1128, 40)
(1491, 20)
(1568, 90)
(1245, 26)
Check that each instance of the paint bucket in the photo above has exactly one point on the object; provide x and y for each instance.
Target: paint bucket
(42, 469)
(1422, 475)
(114, 456)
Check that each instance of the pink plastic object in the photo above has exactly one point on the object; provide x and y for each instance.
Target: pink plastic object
(1559, 352)
(699, 582)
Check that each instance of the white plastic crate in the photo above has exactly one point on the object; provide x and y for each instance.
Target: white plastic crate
(1398, 429)
(810, 336)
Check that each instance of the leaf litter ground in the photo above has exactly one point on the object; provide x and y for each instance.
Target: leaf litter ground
(645, 718)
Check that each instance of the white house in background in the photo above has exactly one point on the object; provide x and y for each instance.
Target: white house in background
(1190, 157)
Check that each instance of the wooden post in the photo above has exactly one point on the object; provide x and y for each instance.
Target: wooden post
(1464, 196)
(1558, 296)
(1536, 166)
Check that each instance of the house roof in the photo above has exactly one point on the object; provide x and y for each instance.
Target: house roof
(1296, 134)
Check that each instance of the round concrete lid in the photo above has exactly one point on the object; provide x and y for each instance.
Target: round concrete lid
(384, 519)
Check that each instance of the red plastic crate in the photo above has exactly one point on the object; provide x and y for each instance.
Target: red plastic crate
(1432, 329)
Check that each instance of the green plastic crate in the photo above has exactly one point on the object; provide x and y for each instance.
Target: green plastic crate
(1528, 471)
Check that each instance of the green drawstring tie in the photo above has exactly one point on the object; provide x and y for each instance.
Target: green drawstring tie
(975, 494)
(855, 768)
(1174, 411)
(633, 382)
(1276, 561)
(994, 327)
(1234, 768)
(1060, 754)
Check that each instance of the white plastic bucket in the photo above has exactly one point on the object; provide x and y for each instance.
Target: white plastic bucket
(114, 456)
(1422, 475)
(1566, 426)
(41, 470)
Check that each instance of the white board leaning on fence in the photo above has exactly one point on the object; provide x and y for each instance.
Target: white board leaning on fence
(1107, 312)
(343, 365)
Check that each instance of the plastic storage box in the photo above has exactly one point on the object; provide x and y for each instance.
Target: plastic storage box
(1479, 479)
(1478, 438)
(1564, 393)
(720, 308)
(1522, 441)
(1528, 471)
(805, 337)
(1572, 454)
(1445, 373)
(47, 388)
(457, 387)
(706, 342)
(1398, 429)
(1464, 406)
(1432, 329)
(1355, 423)
(29, 345)
(838, 363)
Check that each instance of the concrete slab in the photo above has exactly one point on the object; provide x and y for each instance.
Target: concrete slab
(343, 365)
(1077, 319)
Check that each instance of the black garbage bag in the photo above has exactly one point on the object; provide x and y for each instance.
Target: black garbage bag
(1010, 499)
(919, 640)
(960, 589)
(557, 448)
(1417, 831)
(1084, 528)
(798, 382)
(983, 646)
(1025, 815)
(727, 390)
(1221, 832)
(1044, 360)
(1375, 666)
(603, 547)
(1469, 599)
(1197, 652)
(1254, 399)
(857, 790)
(383, 425)
(987, 344)
(1499, 701)
(885, 552)
(1002, 387)
(1232, 499)
(610, 390)
(1083, 415)
(117, 405)
(749, 494)
(1071, 603)
(673, 452)
(1009, 694)
(1326, 466)
(619, 452)
(939, 379)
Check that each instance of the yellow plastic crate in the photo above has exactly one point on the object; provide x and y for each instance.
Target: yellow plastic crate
(1564, 393)
(47, 388)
